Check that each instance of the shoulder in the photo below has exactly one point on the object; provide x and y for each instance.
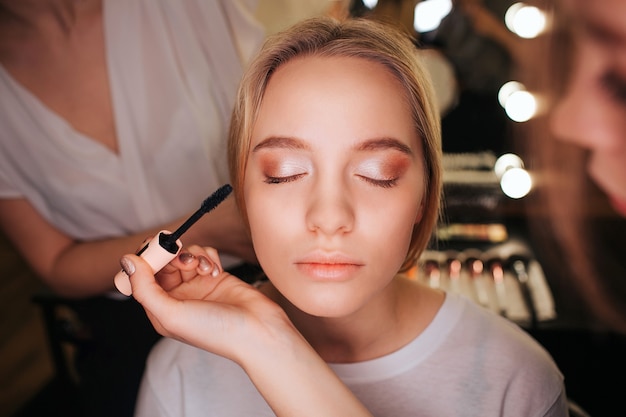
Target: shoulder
(168, 357)
(172, 362)
(487, 347)
(500, 338)
(182, 377)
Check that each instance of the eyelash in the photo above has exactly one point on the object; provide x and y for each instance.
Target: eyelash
(281, 180)
(379, 183)
(615, 86)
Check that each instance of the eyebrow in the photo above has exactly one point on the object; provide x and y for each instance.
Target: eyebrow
(284, 142)
(384, 143)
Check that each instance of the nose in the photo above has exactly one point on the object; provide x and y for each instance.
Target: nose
(330, 209)
(583, 115)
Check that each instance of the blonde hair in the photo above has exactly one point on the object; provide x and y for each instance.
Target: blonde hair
(359, 38)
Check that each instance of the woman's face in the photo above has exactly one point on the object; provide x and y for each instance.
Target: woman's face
(334, 182)
(593, 112)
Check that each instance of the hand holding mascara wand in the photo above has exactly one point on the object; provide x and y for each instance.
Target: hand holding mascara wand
(164, 247)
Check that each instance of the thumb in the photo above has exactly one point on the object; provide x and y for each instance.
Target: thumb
(145, 288)
(161, 308)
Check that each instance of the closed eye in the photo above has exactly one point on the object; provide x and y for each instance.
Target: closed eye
(386, 183)
(281, 180)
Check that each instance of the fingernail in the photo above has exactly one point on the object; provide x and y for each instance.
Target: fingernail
(204, 264)
(186, 257)
(127, 266)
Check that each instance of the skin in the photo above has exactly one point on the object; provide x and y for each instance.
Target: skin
(331, 207)
(66, 39)
(592, 113)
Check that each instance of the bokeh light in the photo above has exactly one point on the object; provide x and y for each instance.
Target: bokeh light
(506, 162)
(516, 183)
(428, 14)
(525, 21)
(521, 106)
(507, 89)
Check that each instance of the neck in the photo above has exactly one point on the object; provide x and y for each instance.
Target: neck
(391, 320)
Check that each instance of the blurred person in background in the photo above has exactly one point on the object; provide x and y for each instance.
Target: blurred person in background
(585, 168)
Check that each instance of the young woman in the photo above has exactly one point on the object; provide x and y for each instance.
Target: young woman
(335, 161)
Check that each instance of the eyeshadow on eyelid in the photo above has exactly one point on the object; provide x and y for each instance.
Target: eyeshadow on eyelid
(386, 167)
(280, 167)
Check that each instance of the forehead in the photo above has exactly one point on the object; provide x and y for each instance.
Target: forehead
(348, 71)
(347, 97)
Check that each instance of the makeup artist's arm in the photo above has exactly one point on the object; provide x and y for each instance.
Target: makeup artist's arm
(225, 316)
(82, 269)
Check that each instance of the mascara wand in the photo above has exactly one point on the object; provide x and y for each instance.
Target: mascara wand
(169, 241)
(207, 205)
(159, 252)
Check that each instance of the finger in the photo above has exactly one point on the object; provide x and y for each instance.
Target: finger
(213, 255)
(208, 260)
(180, 269)
(206, 266)
(187, 264)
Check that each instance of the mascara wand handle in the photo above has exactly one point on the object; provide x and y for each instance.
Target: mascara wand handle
(155, 254)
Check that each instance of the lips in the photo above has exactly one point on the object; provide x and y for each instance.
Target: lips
(325, 266)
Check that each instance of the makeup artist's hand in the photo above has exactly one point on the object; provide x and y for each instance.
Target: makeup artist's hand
(194, 301)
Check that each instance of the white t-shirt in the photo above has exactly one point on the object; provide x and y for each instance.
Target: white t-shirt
(467, 362)
(174, 66)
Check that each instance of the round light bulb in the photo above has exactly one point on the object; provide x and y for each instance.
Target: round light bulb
(507, 89)
(506, 162)
(516, 182)
(521, 106)
(428, 14)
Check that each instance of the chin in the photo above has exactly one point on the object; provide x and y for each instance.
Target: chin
(329, 306)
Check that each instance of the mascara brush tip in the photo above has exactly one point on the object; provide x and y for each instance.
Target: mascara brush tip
(216, 198)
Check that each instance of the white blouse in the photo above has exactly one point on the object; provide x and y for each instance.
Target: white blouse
(174, 66)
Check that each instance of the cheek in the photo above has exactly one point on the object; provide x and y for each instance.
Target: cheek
(400, 230)
(271, 222)
(410, 212)
(392, 224)
(262, 230)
